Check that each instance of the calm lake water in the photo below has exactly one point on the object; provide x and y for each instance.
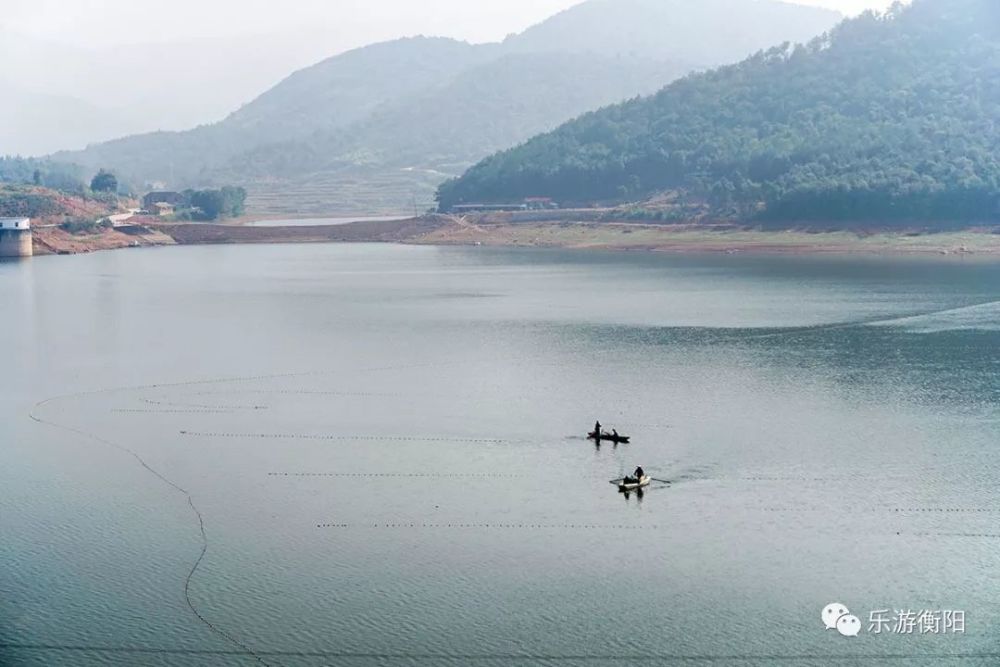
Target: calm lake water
(383, 446)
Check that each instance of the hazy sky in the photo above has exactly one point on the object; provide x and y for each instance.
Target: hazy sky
(126, 66)
(348, 23)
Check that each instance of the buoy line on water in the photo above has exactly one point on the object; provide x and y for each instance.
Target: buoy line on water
(491, 526)
(433, 475)
(465, 659)
(306, 392)
(882, 510)
(370, 438)
(172, 411)
(202, 406)
(166, 480)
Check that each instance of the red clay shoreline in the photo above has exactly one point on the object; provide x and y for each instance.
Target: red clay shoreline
(444, 230)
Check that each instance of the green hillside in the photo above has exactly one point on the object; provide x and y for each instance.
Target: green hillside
(888, 118)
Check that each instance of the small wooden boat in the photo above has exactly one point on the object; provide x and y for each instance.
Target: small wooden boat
(631, 484)
(610, 437)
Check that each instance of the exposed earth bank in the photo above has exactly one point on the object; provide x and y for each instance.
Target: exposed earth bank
(568, 231)
(52, 240)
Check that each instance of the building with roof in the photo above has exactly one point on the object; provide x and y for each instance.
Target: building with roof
(173, 199)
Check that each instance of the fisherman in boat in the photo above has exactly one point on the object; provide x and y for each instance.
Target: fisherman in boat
(614, 434)
(597, 430)
(639, 473)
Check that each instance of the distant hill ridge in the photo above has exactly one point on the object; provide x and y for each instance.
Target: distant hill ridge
(701, 33)
(891, 118)
(433, 106)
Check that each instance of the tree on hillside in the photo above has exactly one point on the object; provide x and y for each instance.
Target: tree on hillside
(215, 204)
(104, 181)
(209, 201)
(234, 201)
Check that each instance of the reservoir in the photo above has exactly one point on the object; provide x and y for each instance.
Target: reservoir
(308, 455)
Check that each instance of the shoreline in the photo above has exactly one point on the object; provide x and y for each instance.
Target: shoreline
(442, 230)
(725, 239)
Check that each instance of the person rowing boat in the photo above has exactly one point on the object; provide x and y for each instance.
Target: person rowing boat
(638, 480)
(599, 434)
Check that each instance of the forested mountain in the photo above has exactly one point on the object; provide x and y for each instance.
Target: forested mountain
(433, 107)
(890, 118)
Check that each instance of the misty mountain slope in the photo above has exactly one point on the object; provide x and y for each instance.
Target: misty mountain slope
(439, 105)
(500, 104)
(330, 94)
(29, 120)
(892, 118)
(703, 33)
(397, 157)
(486, 108)
(145, 87)
(346, 88)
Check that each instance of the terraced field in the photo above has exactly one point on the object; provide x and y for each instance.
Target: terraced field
(346, 192)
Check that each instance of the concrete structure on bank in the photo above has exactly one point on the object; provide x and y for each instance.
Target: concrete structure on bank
(15, 237)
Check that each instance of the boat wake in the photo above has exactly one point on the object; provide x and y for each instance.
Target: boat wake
(980, 317)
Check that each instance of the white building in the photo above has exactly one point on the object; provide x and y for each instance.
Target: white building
(15, 223)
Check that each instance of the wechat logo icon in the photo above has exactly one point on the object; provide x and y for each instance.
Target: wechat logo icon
(838, 617)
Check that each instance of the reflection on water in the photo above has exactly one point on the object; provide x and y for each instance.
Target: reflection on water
(393, 469)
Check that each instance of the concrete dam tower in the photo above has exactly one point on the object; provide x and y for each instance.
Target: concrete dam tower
(15, 237)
